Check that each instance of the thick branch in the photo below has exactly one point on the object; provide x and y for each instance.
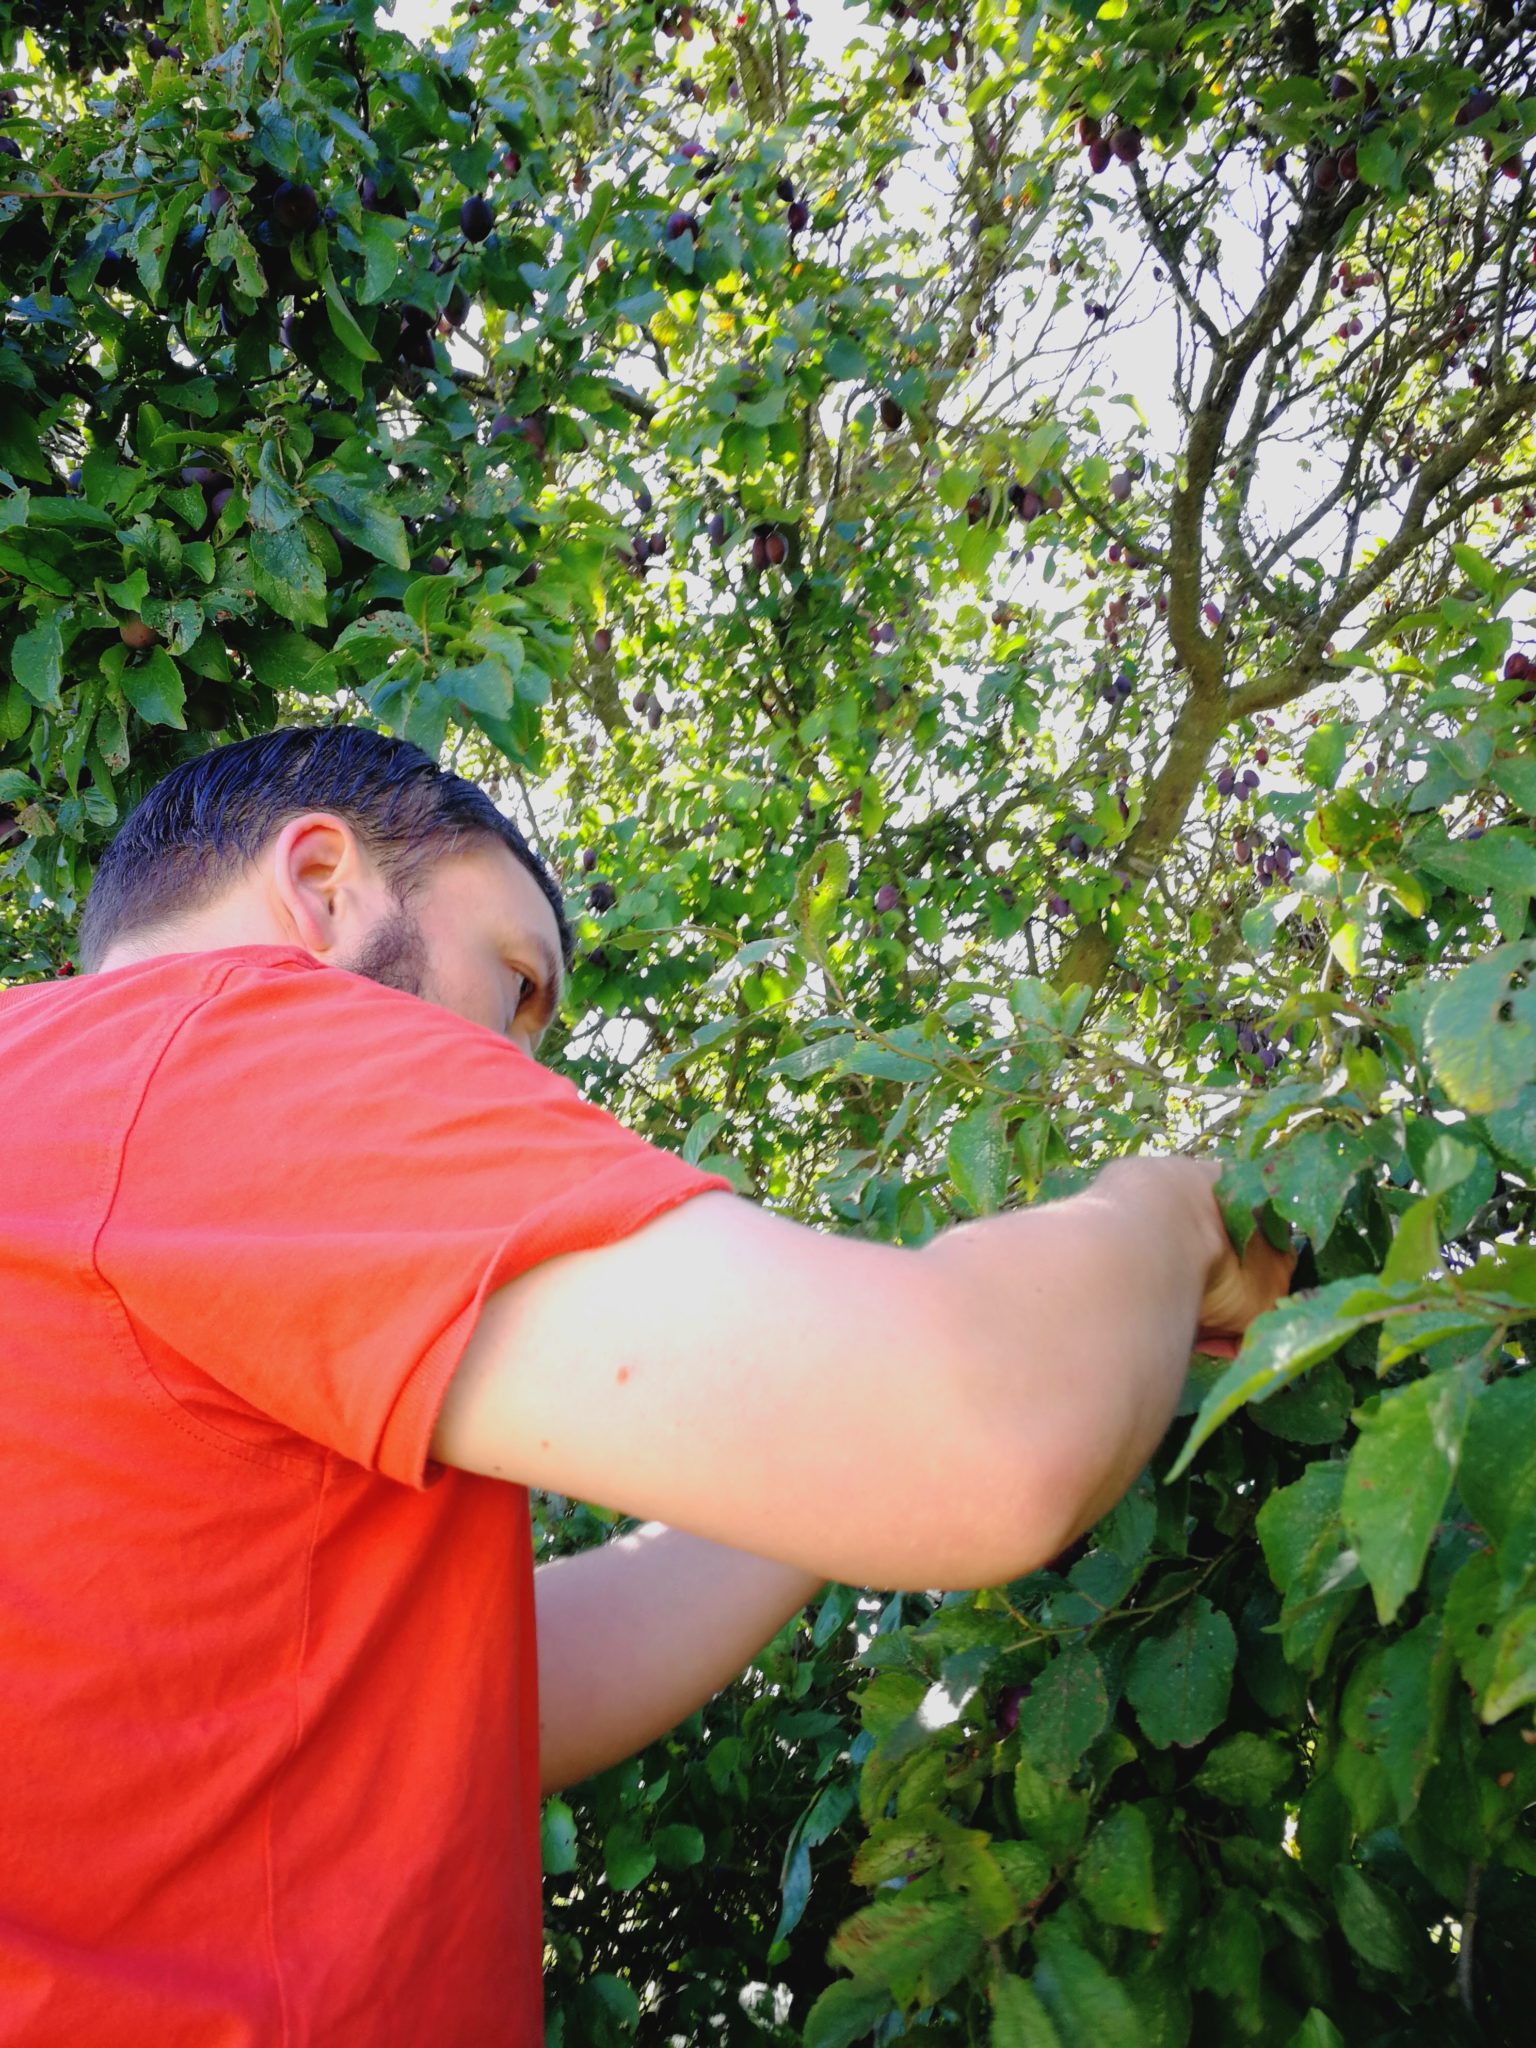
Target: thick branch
(1196, 730)
(1200, 652)
(1516, 402)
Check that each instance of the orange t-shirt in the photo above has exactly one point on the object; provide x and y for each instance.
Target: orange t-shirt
(268, 1687)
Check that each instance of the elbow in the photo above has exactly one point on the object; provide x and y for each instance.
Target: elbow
(1051, 1506)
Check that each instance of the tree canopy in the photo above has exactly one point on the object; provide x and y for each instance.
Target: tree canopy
(995, 562)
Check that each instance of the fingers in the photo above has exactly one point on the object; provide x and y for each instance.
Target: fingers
(1217, 1347)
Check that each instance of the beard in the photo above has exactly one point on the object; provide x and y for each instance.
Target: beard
(394, 954)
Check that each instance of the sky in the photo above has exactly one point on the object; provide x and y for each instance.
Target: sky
(1137, 359)
(1135, 355)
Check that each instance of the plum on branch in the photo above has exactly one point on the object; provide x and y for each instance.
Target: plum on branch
(477, 217)
(295, 207)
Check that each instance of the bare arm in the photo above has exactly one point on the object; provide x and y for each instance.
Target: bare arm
(1085, 1314)
(639, 1633)
(938, 1419)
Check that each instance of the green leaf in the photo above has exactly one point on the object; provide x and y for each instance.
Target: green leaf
(1512, 1132)
(1243, 1193)
(1480, 1031)
(154, 688)
(37, 661)
(1065, 1709)
(1027, 1869)
(1299, 1332)
(1379, 164)
(887, 1063)
(431, 601)
(557, 1839)
(1516, 776)
(396, 627)
(1316, 1172)
(978, 547)
(1471, 1607)
(1432, 1319)
(426, 720)
(1502, 859)
(361, 516)
(16, 712)
(843, 360)
(678, 1847)
(815, 1058)
(344, 321)
(1324, 754)
(1414, 1252)
(1019, 2020)
(1129, 1527)
(795, 1891)
(970, 1868)
(819, 894)
(1114, 1872)
(897, 1847)
(1409, 1708)
(897, 1940)
(1179, 1681)
(1083, 2000)
(1400, 1474)
(381, 257)
(274, 504)
(1246, 1770)
(978, 1160)
(20, 449)
(1374, 1921)
(286, 660)
(613, 1998)
(955, 485)
(1497, 1479)
(844, 2013)
(287, 576)
(1052, 1815)
(485, 687)
(1229, 1958)
(1314, 1410)
(1317, 2031)
(1346, 936)
(17, 786)
(628, 1858)
(1512, 1681)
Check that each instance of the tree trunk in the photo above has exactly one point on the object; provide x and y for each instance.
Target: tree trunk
(1199, 725)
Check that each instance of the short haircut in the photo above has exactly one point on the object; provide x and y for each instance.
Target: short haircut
(193, 836)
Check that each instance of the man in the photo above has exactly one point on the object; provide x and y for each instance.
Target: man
(311, 1271)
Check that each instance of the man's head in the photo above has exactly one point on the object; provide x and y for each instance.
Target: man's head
(357, 848)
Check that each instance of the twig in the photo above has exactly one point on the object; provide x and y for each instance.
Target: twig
(1464, 1964)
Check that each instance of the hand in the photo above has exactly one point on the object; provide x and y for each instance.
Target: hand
(1236, 1291)
(1239, 1289)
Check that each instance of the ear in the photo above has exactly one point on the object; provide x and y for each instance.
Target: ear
(324, 881)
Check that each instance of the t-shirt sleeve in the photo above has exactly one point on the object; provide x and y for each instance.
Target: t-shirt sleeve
(323, 1181)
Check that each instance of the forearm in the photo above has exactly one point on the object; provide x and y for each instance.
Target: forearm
(1084, 1314)
(636, 1635)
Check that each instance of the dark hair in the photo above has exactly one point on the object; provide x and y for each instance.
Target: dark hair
(189, 839)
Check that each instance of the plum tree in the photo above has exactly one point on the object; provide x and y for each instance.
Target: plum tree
(1043, 498)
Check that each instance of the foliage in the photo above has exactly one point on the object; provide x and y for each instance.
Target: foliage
(973, 754)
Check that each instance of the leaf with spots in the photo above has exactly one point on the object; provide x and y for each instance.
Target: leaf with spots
(1179, 1681)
